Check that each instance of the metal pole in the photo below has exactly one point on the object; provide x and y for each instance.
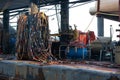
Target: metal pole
(100, 21)
(111, 33)
(64, 15)
(5, 43)
(64, 19)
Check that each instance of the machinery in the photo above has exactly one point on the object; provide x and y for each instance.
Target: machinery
(33, 40)
(76, 47)
(117, 48)
(102, 49)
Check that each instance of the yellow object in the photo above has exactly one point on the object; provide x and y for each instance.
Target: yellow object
(34, 8)
(55, 34)
(75, 34)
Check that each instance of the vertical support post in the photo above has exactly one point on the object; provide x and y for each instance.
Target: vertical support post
(5, 44)
(111, 35)
(64, 15)
(100, 59)
(100, 21)
(64, 19)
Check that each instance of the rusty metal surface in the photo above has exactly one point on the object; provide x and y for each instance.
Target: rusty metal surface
(30, 70)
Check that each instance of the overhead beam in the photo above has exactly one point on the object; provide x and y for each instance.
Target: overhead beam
(64, 20)
(44, 3)
(115, 18)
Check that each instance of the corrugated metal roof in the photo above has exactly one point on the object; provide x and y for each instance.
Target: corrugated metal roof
(17, 4)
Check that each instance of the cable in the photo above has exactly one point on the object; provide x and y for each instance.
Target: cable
(49, 9)
(94, 17)
(71, 7)
(89, 23)
(33, 38)
(82, 4)
(57, 16)
(14, 16)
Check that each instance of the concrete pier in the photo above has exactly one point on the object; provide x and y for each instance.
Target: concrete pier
(29, 70)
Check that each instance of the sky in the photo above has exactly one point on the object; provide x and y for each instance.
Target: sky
(79, 16)
(82, 18)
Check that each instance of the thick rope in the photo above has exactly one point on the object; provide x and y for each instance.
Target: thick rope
(33, 39)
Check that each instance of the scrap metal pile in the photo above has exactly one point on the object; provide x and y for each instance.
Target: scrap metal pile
(33, 38)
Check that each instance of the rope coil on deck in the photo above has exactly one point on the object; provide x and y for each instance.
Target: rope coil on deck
(33, 38)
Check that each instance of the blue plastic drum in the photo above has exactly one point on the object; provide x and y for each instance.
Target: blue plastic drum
(77, 53)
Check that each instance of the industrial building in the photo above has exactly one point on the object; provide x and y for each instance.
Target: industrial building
(31, 52)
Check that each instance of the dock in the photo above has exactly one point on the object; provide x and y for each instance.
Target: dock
(30, 70)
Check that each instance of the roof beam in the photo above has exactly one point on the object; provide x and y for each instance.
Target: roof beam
(18, 4)
(115, 18)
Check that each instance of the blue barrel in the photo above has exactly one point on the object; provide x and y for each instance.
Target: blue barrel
(77, 53)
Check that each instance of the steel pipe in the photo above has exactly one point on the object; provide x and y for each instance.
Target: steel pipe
(110, 6)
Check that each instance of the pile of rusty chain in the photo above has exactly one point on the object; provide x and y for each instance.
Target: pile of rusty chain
(33, 38)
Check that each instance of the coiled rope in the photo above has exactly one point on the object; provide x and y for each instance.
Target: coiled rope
(33, 40)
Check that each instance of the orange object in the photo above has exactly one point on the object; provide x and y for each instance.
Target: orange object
(92, 36)
(83, 38)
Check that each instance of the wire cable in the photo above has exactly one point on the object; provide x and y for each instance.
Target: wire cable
(71, 7)
(33, 38)
(81, 4)
(57, 16)
(89, 23)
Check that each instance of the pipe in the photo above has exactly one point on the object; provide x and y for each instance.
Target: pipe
(111, 6)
